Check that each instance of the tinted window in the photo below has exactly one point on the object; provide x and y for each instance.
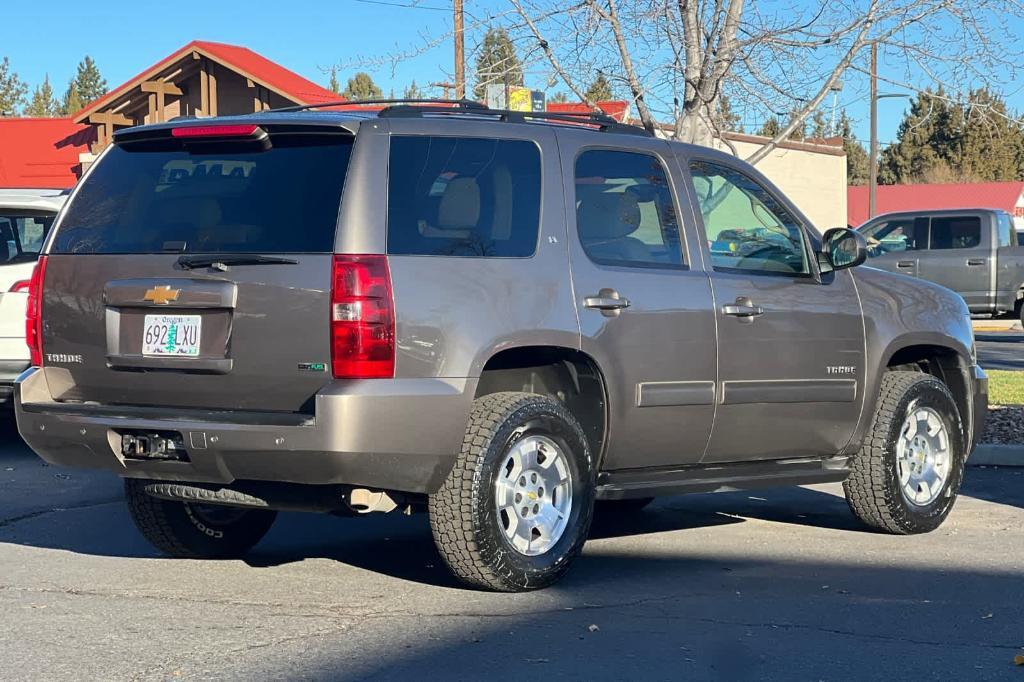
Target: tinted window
(455, 196)
(1007, 235)
(235, 199)
(21, 236)
(893, 236)
(747, 229)
(956, 233)
(624, 210)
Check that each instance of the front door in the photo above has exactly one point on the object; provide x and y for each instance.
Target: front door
(645, 316)
(895, 243)
(791, 343)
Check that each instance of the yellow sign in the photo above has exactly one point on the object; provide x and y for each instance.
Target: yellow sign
(520, 99)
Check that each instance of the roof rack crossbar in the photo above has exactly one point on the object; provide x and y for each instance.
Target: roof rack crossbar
(455, 104)
(597, 119)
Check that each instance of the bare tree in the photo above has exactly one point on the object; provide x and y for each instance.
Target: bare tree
(677, 58)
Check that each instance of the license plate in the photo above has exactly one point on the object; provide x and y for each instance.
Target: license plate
(172, 335)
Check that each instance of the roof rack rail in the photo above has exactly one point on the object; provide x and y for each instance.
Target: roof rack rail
(456, 104)
(596, 119)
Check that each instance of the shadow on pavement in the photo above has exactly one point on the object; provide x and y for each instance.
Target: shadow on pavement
(644, 615)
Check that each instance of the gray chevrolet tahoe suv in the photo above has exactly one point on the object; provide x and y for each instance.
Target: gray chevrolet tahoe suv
(499, 318)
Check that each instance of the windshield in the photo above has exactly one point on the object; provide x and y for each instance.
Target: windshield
(232, 199)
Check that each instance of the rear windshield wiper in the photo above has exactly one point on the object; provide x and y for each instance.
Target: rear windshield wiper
(190, 262)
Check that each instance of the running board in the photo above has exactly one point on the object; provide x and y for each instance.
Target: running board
(714, 478)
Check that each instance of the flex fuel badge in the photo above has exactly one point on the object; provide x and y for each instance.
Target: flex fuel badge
(312, 367)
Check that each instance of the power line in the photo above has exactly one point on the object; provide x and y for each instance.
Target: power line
(407, 5)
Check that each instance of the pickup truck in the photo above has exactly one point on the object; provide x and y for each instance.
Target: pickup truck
(975, 252)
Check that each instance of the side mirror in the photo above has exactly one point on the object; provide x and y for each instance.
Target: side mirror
(842, 248)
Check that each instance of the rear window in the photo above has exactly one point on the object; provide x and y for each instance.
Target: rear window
(22, 235)
(457, 196)
(223, 199)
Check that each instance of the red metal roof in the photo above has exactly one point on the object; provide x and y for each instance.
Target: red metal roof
(273, 76)
(890, 198)
(617, 109)
(41, 152)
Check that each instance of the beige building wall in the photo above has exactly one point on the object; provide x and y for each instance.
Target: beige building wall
(812, 176)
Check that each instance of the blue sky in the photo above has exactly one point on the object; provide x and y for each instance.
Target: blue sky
(307, 36)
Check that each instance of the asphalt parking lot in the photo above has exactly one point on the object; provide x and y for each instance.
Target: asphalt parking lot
(775, 584)
(1001, 350)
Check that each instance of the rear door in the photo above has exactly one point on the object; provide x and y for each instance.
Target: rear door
(645, 312)
(894, 244)
(960, 256)
(154, 293)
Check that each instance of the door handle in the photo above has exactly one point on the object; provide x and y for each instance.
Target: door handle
(976, 261)
(743, 307)
(608, 301)
(905, 264)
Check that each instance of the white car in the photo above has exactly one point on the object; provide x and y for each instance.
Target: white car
(25, 219)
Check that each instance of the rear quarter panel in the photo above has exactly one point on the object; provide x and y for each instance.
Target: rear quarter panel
(454, 313)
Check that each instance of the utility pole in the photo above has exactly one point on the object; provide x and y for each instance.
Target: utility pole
(873, 154)
(460, 52)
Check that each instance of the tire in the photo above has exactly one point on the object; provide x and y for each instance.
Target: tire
(195, 531)
(472, 534)
(627, 506)
(874, 490)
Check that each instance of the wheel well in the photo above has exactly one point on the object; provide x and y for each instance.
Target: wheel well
(946, 365)
(567, 375)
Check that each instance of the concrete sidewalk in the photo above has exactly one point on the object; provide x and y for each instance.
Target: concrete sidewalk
(1006, 325)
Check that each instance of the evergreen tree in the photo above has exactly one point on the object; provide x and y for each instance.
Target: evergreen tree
(497, 63)
(926, 141)
(558, 98)
(72, 103)
(770, 128)
(991, 144)
(728, 120)
(856, 157)
(333, 85)
(43, 104)
(413, 92)
(12, 90)
(87, 86)
(600, 90)
(361, 86)
(820, 128)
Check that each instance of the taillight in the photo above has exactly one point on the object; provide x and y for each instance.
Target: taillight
(362, 318)
(20, 286)
(34, 313)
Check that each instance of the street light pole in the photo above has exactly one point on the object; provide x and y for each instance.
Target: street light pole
(873, 155)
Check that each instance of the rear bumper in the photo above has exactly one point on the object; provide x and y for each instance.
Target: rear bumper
(400, 434)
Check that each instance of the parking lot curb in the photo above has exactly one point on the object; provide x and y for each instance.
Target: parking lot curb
(990, 454)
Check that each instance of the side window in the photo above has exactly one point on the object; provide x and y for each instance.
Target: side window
(894, 236)
(747, 229)
(957, 232)
(624, 210)
(22, 236)
(458, 196)
(1007, 235)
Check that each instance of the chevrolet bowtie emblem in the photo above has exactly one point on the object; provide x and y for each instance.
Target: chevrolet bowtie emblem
(162, 295)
